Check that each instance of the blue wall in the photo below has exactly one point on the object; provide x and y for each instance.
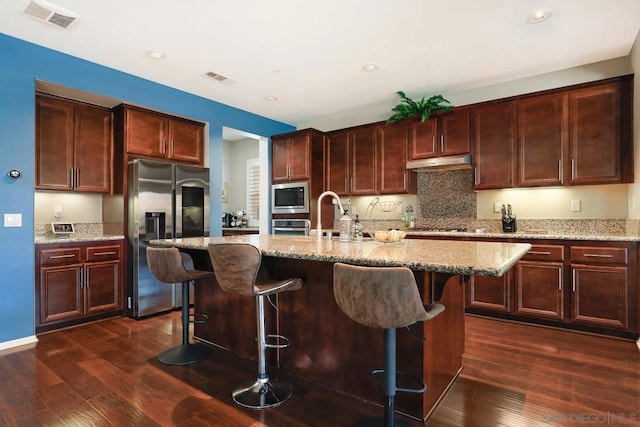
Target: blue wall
(21, 64)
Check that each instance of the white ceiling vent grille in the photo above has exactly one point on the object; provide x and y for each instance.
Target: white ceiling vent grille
(219, 78)
(43, 10)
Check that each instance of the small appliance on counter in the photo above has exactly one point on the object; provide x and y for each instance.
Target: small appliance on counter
(227, 218)
(508, 219)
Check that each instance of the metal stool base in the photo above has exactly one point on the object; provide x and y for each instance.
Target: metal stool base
(184, 354)
(262, 394)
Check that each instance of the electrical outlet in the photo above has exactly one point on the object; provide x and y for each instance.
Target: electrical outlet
(497, 207)
(575, 206)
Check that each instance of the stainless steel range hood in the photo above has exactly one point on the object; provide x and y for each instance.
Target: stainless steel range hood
(462, 161)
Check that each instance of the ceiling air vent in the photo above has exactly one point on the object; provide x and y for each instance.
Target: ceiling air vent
(219, 78)
(43, 10)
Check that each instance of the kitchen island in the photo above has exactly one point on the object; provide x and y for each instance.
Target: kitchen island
(328, 347)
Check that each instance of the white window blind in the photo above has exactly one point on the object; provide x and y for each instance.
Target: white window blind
(253, 192)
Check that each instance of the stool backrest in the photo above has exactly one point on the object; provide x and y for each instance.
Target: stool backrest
(378, 297)
(236, 266)
(166, 265)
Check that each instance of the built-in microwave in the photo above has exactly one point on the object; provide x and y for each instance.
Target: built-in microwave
(290, 197)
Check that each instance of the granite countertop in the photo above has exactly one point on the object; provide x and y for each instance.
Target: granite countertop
(532, 234)
(442, 256)
(74, 238)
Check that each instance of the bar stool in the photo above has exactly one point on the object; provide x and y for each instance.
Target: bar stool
(385, 298)
(166, 265)
(236, 267)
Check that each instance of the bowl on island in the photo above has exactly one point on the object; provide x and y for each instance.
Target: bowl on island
(389, 236)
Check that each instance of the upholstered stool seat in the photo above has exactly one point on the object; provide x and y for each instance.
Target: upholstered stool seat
(385, 298)
(236, 267)
(166, 265)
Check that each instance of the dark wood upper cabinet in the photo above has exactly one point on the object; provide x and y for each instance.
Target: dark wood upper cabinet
(363, 161)
(159, 136)
(337, 163)
(291, 156)
(351, 161)
(542, 131)
(74, 146)
(442, 135)
(594, 145)
(393, 141)
(493, 157)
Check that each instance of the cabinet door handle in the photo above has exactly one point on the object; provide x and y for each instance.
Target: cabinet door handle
(105, 253)
(573, 279)
(559, 280)
(346, 185)
(71, 177)
(539, 253)
(86, 277)
(560, 170)
(598, 255)
(573, 168)
(62, 256)
(433, 144)
(441, 143)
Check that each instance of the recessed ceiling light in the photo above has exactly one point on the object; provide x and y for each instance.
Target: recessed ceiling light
(538, 16)
(370, 67)
(155, 54)
(271, 98)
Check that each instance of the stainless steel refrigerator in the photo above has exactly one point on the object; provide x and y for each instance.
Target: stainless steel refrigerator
(165, 200)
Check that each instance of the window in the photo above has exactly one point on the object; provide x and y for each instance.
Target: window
(253, 192)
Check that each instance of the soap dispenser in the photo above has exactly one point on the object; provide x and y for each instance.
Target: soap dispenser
(345, 227)
(357, 232)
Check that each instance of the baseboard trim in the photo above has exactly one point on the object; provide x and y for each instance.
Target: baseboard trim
(17, 343)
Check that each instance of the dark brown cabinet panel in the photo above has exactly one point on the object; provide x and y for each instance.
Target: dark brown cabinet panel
(443, 135)
(600, 295)
(492, 293)
(160, 136)
(78, 282)
(337, 163)
(74, 146)
(594, 148)
(542, 130)
(363, 161)
(493, 156)
(291, 157)
(538, 289)
(392, 151)
(351, 161)
(61, 296)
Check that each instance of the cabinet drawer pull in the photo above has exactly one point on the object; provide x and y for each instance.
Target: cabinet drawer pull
(61, 256)
(599, 255)
(539, 253)
(105, 253)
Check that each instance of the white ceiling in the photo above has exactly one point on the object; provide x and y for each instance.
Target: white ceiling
(309, 54)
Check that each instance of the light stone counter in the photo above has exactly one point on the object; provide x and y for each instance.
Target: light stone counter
(441, 256)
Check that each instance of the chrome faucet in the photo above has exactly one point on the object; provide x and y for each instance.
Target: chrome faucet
(337, 199)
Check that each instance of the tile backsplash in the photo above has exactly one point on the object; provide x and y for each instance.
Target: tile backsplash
(447, 194)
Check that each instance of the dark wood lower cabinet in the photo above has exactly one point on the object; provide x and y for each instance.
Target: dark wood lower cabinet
(492, 293)
(539, 289)
(77, 282)
(593, 288)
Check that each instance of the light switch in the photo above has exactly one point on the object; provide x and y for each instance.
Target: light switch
(575, 206)
(13, 220)
(497, 207)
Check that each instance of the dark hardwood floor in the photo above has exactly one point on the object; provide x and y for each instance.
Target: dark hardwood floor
(105, 374)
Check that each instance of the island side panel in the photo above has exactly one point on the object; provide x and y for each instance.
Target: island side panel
(445, 335)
